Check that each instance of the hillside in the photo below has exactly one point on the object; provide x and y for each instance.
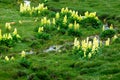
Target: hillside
(60, 40)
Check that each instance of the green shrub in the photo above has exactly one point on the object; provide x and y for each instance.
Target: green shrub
(90, 21)
(73, 32)
(107, 34)
(43, 35)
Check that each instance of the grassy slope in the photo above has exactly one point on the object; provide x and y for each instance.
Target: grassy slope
(105, 66)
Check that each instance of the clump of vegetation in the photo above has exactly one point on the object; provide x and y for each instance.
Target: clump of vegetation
(41, 34)
(90, 20)
(108, 33)
(88, 49)
(33, 11)
(9, 39)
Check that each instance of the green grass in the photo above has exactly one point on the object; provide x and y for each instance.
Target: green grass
(59, 65)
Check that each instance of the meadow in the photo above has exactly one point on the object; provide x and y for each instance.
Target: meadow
(60, 40)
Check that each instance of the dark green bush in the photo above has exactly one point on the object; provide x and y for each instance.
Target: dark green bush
(90, 21)
(74, 32)
(43, 35)
(107, 34)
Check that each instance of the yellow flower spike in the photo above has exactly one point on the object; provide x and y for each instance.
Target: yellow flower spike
(44, 20)
(57, 15)
(18, 36)
(70, 11)
(103, 28)
(84, 53)
(70, 25)
(115, 37)
(12, 58)
(65, 20)
(80, 17)
(90, 55)
(21, 8)
(107, 42)
(15, 31)
(6, 58)
(86, 14)
(5, 36)
(111, 26)
(23, 54)
(8, 26)
(9, 36)
(0, 34)
(48, 22)
(92, 14)
(40, 29)
(87, 41)
(62, 10)
(53, 21)
(20, 22)
(93, 49)
(58, 28)
(76, 43)
(95, 42)
(66, 9)
(96, 18)
(89, 44)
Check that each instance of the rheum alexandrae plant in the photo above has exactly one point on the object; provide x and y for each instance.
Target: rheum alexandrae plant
(40, 34)
(32, 11)
(86, 48)
(9, 39)
(107, 33)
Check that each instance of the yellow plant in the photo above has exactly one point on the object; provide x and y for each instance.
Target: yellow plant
(8, 26)
(15, 31)
(6, 58)
(23, 54)
(0, 34)
(65, 19)
(53, 21)
(107, 42)
(12, 58)
(24, 8)
(76, 43)
(103, 28)
(40, 29)
(57, 15)
(45, 21)
(111, 26)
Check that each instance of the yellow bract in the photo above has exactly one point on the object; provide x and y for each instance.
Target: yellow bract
(111, 26)
(15, 31)
(107, 42)
(65, 19)
(76, 43)
(45, 21)
(8, 26)
(23, 54)
(53, 21)
(12, 58)
(6, 58)
(0, 34)
(40, 29)
(57, 15)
